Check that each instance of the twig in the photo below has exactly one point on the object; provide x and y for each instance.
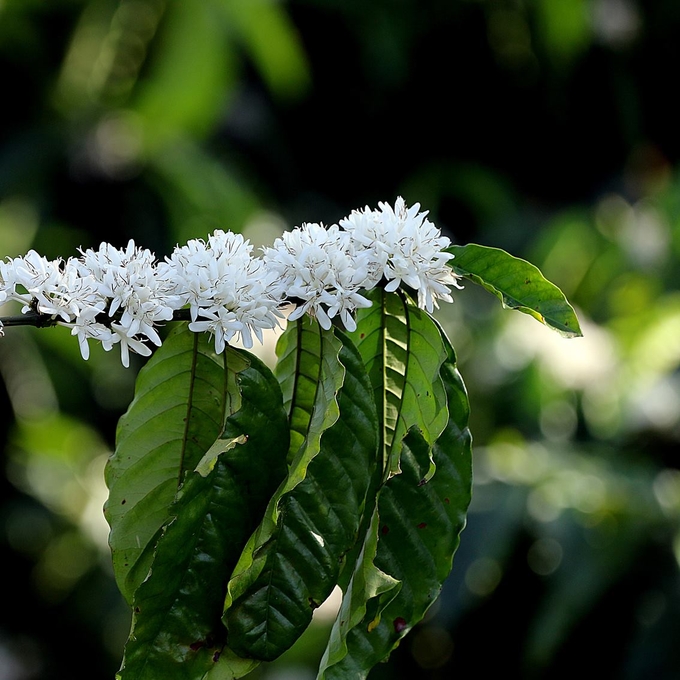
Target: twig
(45, 320)
(30, 319)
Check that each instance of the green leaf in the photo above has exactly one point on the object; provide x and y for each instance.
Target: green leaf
(177, 630)
(207, 464)
(403, 351)
(199, 191)
(271, 41)
(518, 284)
(293, 562)
(182, 397)
(300, 368)
(419, 532)
(189, 76)
(367, 583)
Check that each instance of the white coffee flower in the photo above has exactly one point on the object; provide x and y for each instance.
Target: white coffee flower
(120, 296)
(121, 335)
(402, 245)
(85, 327)
(136, 299)
(227, 289)
(31, 276)
(316, 268)
(49, 287)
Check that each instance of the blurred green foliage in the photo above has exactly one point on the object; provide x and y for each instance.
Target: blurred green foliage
(545, 128)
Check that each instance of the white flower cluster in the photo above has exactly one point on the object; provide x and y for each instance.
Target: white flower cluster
(226, 288)
(111, 295)
(402, 245)
(120, 296)
(324, 269)
(319, 270)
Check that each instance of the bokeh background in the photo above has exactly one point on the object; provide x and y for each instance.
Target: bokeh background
(548, 128)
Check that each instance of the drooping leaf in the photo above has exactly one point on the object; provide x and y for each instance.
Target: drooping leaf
(293, 565)
(518, 284)
(177, 629)
(403, 351)
(419, 532)
(367, 583)
(179, 409)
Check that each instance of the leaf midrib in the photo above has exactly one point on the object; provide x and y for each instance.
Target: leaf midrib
(387, 455)
(187, 424)
(298, 352)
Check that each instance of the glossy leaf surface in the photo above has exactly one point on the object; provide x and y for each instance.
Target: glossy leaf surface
(403, 351)
(177, 629)
(518, 284)
(294, 565)
(418, 534)
(176, 415)
(367, 584)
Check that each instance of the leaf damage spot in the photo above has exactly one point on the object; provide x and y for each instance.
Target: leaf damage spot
(422, 525)
(399, 624)
(207, 463)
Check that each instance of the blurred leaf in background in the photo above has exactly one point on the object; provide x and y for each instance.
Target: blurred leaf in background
(109, 111)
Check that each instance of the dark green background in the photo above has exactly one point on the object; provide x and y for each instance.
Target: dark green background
(545, 128)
